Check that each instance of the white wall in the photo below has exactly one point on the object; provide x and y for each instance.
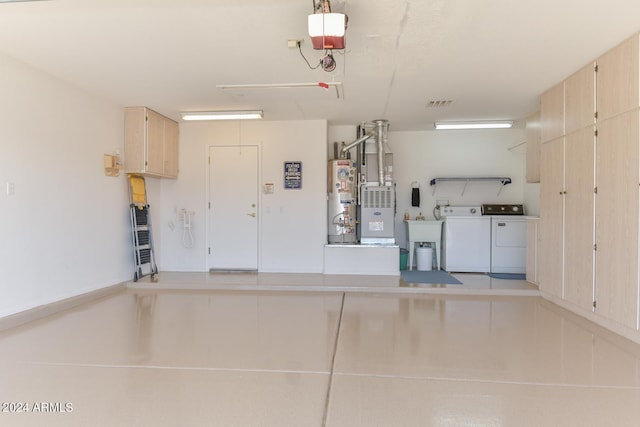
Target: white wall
(293, 222)
(422, 156)
(292, 227)
(66, 229)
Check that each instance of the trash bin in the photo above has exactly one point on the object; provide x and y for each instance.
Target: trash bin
(404, 255)
(424, 258)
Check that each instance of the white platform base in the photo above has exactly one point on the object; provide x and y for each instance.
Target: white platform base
(362, 259)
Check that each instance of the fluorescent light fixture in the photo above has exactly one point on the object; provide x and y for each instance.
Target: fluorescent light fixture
(279, 85)
(222, 115)
(324, 85)
(503, 124)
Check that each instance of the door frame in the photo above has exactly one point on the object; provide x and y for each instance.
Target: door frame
(207, 202)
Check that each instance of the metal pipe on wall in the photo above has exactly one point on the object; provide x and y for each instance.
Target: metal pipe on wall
(356, 142)
(380, 131)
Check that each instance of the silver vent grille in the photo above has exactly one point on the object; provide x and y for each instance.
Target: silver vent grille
(377, 198)
(439, 103)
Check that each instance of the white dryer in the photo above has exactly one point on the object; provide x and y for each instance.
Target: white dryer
(466, 239)
(508, 238)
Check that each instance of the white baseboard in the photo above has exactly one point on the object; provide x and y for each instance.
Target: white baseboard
(585, 315)
(35, 313)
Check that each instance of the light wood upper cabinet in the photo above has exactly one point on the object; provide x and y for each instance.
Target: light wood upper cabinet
(171, 136)
(580, 99)
(552, 113)
(155, 144)
(618, 79)
(533, 147)
(151, 143)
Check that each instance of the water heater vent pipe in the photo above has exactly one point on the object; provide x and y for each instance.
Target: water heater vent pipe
(379, 132)
(381, 127)
(356, 142)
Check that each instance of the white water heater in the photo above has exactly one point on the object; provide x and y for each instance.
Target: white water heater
(342, 201)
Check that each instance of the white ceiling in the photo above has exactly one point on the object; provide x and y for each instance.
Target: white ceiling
(491, 57)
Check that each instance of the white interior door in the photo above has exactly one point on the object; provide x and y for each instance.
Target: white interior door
(233, 208)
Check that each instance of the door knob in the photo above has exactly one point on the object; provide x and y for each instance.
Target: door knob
(252, 214)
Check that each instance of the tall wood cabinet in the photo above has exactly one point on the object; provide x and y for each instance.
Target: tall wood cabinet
(567, 189)
(617, 219)
(590, 190)
(578, 211)
(533, 239)
(566, 217)
(618, 182)
(551, 232)
(552, 191)
(151, 143)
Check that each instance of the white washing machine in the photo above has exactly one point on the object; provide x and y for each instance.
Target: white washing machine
(466, 239)
(508, 238)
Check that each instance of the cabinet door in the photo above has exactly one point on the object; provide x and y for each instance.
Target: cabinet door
(134, 139)
(533, 148)
(580, 99)
(552, 113)
(578, 211)
(552, 217)
(171, 135)
(617, 219)
(617, 79)
(532, 250)
(155, 143)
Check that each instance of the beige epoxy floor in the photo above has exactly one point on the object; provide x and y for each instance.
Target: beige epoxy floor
(211, 357)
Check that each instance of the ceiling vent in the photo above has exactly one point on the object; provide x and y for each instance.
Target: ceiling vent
(439, 103)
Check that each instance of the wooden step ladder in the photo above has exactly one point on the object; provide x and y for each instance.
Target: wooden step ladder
(142, 236)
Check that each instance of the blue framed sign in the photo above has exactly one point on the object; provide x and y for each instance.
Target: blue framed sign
(292, 175)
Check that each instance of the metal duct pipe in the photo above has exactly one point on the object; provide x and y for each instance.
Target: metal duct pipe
(357, 141)
(380, 132)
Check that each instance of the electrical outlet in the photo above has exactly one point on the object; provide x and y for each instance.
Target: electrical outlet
(442, 202)
(293, 43)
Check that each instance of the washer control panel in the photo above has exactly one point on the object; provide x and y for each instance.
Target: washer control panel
(446, 211)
